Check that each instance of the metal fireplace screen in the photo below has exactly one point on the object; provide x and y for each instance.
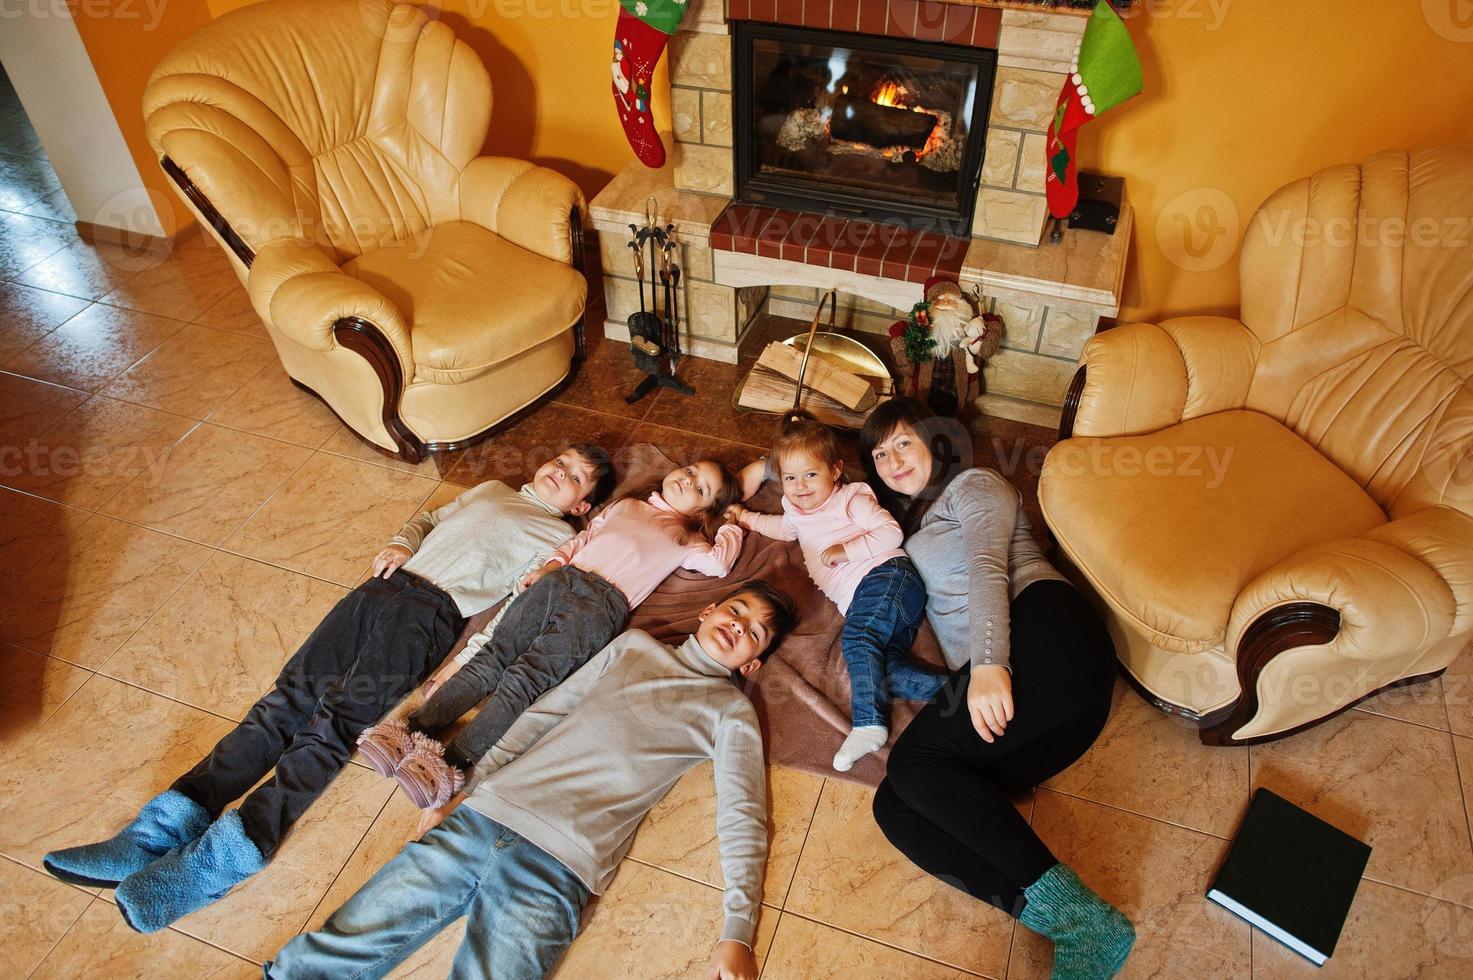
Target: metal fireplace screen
(861, 126)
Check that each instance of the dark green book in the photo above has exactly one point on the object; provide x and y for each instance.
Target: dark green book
(1291, 875)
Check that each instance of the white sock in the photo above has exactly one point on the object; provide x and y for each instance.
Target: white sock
(859, 743)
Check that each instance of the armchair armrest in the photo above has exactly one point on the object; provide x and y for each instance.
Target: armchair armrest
(297, 288)
(1387, 600)
(1141, 377)
(528, 205)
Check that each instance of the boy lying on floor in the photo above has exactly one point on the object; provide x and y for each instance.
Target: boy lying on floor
(553, 806)
(185, 849)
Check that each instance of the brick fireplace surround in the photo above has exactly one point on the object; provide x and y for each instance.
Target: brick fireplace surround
(741, 260)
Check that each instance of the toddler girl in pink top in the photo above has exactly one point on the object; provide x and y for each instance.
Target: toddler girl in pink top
(851, 546)
(569, 609)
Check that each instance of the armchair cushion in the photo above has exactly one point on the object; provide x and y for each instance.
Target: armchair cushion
(1171, 525)
(472, 299)
(526, 204)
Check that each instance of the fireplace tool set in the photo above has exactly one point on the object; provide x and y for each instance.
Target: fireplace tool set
(654, 333)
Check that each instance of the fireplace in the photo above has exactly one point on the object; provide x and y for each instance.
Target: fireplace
(889, 129)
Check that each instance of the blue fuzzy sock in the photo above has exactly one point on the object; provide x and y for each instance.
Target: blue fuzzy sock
(190, 878)
(168, 821)
(1091, 937)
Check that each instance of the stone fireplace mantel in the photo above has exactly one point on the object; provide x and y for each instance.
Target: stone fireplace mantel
(1051, 296)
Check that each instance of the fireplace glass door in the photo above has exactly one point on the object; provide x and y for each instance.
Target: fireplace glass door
(850, 124)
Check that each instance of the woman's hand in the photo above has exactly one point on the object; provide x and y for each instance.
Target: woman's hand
(990, 700)
(731, 960)
(834, 555)
(389, 559)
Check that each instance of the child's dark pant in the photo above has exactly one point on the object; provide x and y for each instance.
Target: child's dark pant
(370, 651)
(548, 632)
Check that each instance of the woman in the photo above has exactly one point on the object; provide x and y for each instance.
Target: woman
(1034, 667)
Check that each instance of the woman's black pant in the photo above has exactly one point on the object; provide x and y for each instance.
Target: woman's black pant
(946, 799)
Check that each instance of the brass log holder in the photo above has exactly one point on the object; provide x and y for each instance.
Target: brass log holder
(844, 353)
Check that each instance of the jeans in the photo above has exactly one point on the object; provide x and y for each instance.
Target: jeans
(879, 627)
(521, 905)
(365, 656)
(548, 632)
(946, 802)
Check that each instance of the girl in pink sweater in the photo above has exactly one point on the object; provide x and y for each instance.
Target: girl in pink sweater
(851, 546)
(570, 608)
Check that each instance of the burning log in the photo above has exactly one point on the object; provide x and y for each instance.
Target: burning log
(863, 121)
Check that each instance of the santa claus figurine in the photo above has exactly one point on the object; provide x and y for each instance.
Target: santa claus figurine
(961, 340)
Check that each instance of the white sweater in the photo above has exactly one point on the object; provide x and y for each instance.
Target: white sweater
(582, 766)
(482, 543)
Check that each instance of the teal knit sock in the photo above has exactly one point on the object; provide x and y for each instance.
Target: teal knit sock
(1091, 937)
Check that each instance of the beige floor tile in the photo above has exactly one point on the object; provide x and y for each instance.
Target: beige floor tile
(1457, 692)
(208, 483)
(26, 240)
(850, 876)
(391, 829)
(270, 405)
(1420, 704)
(30, 527)
(1391, 784)
(679, 834)
(55, 206)
(346, 442)
(93, 347)
(94, 451)
(804, 950)
(653, 925)
(1389, 933)
(184, 285)
(259, 916)
(219, 642)
(233, 312)
(107, 751)
(28, 408)
(83, 269)
(1157, 875)
(91, 592)
(37, 911)
(1156, 766)
(35, 687)
(194, 371)
(27, 315)
(102, 945)
(332, 517)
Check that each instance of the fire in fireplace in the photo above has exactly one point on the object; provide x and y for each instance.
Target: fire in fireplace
(854, 125)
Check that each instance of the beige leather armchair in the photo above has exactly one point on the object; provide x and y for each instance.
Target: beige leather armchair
(426, 293)
(1275, 511)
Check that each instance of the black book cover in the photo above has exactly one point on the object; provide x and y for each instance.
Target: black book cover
(1291, 874)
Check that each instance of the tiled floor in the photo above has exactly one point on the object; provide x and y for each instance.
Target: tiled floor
(175, 517)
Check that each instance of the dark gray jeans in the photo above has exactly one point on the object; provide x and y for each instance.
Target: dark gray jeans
(548, 632)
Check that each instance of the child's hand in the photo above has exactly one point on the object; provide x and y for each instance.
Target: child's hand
(731, 960)
(834, 555)
(430, 819)
(389, 559)
(534, 577)
(735, 514)
(440, 676)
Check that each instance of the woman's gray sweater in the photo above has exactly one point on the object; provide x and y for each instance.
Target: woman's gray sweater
(975, 551)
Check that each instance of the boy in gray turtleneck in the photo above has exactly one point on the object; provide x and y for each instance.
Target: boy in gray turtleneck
(552, 809)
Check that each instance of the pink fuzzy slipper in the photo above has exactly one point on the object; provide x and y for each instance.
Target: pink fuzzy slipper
(429, 780)
(385, 745)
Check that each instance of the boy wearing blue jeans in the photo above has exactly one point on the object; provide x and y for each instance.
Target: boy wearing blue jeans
(185, 849)
(553, 806)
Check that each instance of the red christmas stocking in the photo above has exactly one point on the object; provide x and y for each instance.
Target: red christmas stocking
(639, 40)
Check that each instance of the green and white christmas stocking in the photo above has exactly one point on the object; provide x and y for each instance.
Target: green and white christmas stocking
(1105, 73)
(639, 40)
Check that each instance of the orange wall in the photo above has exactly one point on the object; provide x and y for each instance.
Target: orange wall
(1244, 98)
(1241, 96)
(125, 39)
